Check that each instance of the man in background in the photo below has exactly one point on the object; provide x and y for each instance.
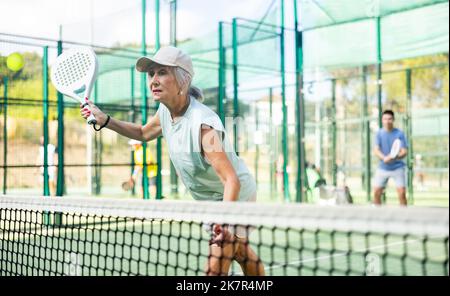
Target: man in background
(390, 167)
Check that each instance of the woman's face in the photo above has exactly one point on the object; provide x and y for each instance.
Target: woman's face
(163, 84)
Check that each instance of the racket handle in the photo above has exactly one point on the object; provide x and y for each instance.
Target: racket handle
(91, 119)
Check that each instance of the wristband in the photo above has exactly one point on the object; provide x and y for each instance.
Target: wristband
(106, 123)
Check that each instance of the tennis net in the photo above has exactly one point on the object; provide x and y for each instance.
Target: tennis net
(99, 236)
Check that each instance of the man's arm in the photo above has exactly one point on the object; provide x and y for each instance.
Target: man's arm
(381, 156)
(403, 152)
(378, 153)
(137, 169)
(55, 159)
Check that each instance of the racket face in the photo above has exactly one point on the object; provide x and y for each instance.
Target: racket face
(395, 148)
(127, 185)
(74, 72)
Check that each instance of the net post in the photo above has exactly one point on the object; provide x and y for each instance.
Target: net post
(98, 152)
(144, 105)
(235, 85)
(5, 133)
(333, 131)
(380, 85)
(379, 72)
(408, 126)
(273, 155)
(157, 25)
(60, 184)
(221, 76)
(302, 181)
(366, 137)
(173, 42)
(285, 140)
(173, 22)
(132, 119)
(257, 144)
(158, 141)
(46, 189)
(159, 167)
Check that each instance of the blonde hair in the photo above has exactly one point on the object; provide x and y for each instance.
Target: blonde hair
(184, 80)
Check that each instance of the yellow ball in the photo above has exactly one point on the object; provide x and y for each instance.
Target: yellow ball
(15, 62)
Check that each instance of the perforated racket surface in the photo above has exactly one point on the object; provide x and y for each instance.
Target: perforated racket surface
(74, 73)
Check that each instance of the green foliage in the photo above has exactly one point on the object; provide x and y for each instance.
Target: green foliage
(29, 89)
(436, 158)
(429, 85)
(26, 83)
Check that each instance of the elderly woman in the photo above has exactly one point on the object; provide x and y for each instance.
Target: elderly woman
(199, 149)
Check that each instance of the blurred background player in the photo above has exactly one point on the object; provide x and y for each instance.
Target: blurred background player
(390, 167)
(152, 168)
(418, 170)
(51, 160)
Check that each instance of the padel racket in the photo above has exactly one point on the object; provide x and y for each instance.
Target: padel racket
(128, 185)
(73, 74)
(395, 149)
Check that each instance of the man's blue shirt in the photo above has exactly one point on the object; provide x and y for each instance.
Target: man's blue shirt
(384, 141)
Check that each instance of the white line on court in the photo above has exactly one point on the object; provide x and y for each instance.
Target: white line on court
(340, 254)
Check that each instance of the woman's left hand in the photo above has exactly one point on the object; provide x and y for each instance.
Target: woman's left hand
(221, 234)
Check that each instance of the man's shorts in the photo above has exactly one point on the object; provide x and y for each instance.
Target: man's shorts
(382, 177)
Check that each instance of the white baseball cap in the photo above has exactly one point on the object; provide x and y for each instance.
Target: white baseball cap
(167, 56)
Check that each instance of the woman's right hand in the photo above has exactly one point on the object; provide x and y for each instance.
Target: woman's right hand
(100, 116)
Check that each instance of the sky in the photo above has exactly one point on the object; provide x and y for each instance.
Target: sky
(108, 22)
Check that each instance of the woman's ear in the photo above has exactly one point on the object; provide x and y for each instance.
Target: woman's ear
(181, 91)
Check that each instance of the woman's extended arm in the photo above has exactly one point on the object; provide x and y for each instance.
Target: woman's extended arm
(148, 132)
